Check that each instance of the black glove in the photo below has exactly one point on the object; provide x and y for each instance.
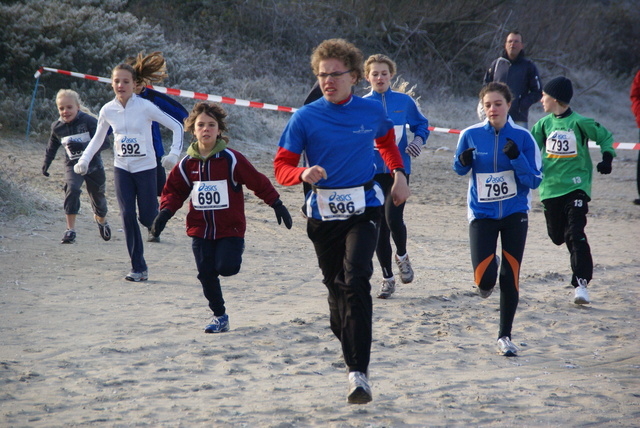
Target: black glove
(511, 149)
(604, 167)
(466, 157)
(45, 169)
(282, 214)
(160, 222)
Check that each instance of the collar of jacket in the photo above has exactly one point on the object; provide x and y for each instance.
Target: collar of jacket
(195, 153)
(520, 56)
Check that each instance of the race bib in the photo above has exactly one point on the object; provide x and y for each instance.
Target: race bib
(340, 204)
(130, 146)
(562, 144)
(496, 186)
(74, 145)
(210, 195)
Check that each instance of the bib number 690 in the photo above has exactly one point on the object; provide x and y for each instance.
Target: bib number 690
(208, 198)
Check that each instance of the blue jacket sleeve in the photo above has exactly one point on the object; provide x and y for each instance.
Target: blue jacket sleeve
(535, 88)
(528, 166)
(463, 144)
(418, 124)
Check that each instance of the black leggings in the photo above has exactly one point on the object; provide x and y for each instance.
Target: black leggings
(566, 220)
(391, 226)
(483, 238)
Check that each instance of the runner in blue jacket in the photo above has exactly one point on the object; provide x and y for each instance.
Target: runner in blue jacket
(505, 165)
(152, 69)
(402, 110)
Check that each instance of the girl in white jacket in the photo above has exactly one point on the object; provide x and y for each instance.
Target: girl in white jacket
(134, 171)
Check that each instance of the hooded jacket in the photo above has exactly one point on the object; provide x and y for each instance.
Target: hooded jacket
(521, 76)
(222, 164)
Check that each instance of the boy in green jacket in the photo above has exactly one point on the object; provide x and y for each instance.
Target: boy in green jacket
(563, 137)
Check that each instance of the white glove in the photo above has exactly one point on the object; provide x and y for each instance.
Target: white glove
(169, 161)
(415, 147)
(81, 167)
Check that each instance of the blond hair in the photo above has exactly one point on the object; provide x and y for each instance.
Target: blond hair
(76, 98)
(383, 59)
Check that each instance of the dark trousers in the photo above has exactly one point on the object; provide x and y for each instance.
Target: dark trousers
(345, 252)
(137, 188)
(96, 186)
(391, 226)
(214, 258)
(483, 239)
(161, 175)
(566, 221)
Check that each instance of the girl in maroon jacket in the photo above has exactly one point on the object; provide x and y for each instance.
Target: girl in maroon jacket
(211, 177)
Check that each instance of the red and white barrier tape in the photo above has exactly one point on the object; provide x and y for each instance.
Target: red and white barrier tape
(619, 146)
(444, 130)
(592, 144)
(256, 104)
(178, 92)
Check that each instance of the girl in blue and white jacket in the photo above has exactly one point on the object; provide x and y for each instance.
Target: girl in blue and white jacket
(505, 165)
(402, 110)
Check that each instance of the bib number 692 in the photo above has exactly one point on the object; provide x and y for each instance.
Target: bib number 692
(130, 149)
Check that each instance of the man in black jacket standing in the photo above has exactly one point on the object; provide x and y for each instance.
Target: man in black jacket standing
(520, 74)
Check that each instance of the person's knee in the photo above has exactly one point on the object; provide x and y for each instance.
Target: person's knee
(558, 240)
(229, 269)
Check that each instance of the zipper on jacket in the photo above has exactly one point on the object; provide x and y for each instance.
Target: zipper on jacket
(495, 165)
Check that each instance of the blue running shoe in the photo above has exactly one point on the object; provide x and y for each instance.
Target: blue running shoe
(218, 324)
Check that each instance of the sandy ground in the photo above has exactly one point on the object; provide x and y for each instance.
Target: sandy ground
(80, 346)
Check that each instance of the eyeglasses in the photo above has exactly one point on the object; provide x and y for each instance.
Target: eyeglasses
(334, 74)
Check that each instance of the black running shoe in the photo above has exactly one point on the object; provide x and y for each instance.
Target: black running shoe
(69, 237)
(105, 230)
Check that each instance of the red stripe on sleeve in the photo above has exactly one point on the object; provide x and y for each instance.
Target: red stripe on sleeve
(286, 167)
(389, 150)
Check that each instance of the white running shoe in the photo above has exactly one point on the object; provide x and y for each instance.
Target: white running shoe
(387, 288)
(507, 348)
(582, 295)
(359, 389)
(406, 271)
(137, 276)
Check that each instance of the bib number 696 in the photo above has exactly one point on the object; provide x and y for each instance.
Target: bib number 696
(342, 208)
